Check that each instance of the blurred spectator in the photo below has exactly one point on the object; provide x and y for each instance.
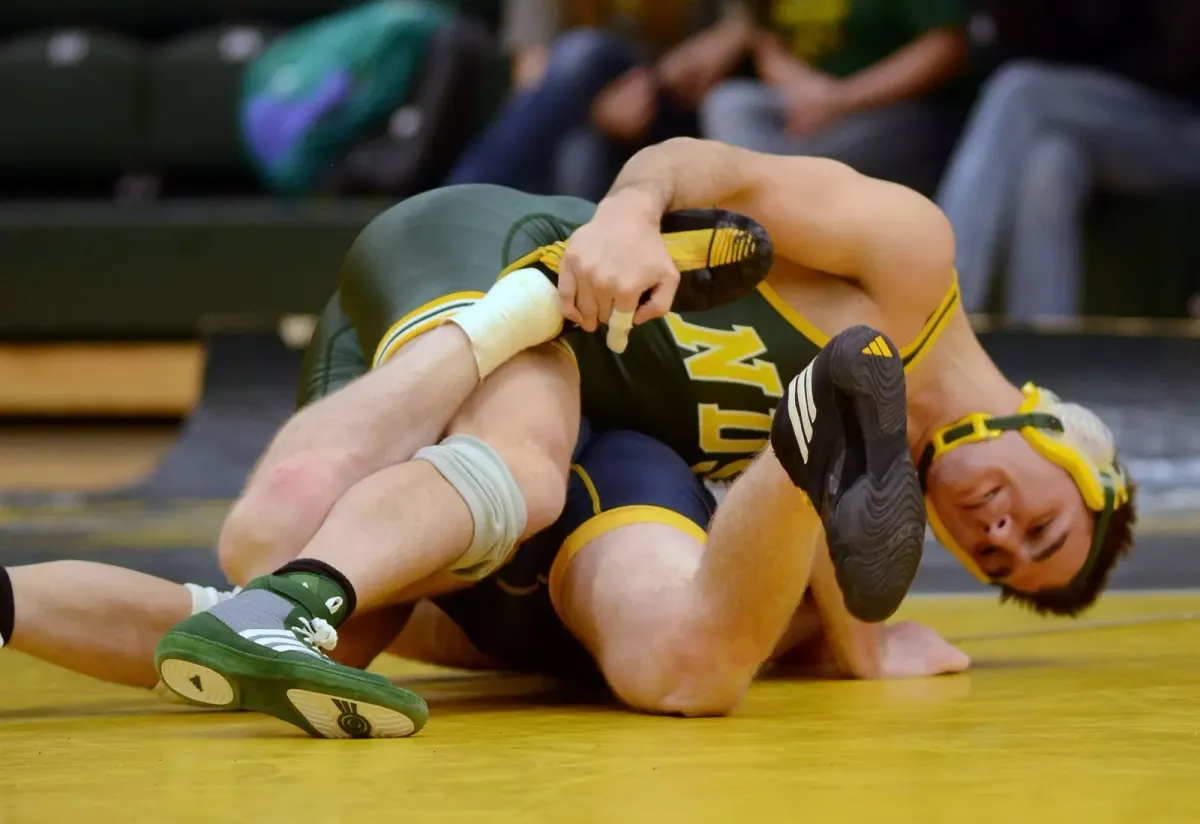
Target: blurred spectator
(528, 28)
(851, 80)
(375, 98)
(1105, 93)
(625, 75)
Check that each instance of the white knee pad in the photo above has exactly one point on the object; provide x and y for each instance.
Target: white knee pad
(497, 506)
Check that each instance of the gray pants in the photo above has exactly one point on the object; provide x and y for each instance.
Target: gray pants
(905, 142)
(1039, 139)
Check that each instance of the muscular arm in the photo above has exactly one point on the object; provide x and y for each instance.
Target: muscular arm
(821, 214)
(856, 646)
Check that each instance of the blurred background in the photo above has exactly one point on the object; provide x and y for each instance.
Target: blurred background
(180, 180)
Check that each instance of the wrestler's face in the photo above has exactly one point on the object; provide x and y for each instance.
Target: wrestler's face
(1020, 516)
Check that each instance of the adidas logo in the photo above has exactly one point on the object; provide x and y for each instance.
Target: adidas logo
(878, 347)
(279, 640)
(802, 409)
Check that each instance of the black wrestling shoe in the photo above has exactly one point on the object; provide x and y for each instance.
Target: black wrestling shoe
(841, 433)
(721, 256)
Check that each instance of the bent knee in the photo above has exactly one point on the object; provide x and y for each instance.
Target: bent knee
(528, 413)
(538, 471)
(542, 480)
(678, 673)
(282, 507)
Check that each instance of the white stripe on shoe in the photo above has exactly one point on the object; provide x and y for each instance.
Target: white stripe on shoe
(278, 641)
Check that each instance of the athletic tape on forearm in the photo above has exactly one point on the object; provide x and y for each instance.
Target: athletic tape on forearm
(497, 507)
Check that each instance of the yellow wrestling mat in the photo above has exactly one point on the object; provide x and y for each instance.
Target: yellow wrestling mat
(1092, 721)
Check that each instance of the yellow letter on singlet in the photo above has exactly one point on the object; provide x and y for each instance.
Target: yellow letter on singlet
(714, 421)
(725, 356)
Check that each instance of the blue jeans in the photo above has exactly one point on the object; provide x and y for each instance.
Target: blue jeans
(749, 114)
(1040, 138)
(588, 160)
(542, 142)
(519, 147)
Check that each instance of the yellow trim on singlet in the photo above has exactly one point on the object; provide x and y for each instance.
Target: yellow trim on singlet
(567, 351)
(935, 324)
(689, 249)
(420, 320)
(800, 323)
(591, 487)
(911, 354)
(549, 256)
(606, 522)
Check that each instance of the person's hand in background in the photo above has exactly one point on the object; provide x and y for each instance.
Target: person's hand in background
(812, 99)
(693, 67)
(811, 104)
(625, 108)
(529, 64)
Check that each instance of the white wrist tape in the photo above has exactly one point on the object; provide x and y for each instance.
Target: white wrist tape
(520, 311)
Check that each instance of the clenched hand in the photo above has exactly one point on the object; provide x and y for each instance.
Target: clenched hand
(611, 263)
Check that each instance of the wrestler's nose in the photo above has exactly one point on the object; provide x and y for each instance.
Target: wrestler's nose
(999, 530)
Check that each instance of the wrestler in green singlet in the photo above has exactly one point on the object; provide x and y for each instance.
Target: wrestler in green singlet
(704, 383)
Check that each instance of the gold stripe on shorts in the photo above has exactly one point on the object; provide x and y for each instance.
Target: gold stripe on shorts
(420, 320)
(606, 522)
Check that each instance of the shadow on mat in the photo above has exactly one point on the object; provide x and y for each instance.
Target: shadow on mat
(459, 694)
(492, 691)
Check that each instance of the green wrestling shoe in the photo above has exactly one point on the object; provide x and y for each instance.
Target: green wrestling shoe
(261, 651)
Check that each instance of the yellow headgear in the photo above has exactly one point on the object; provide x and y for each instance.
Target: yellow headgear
(1066, 434)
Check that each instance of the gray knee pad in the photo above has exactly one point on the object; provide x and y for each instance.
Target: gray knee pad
(497, 506)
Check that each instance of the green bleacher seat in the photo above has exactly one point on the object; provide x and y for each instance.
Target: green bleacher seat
(284, 12)
(194, 88)
(156, 19)
(70, 103)
(95, 270)
(91, 90)
(137, 18)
